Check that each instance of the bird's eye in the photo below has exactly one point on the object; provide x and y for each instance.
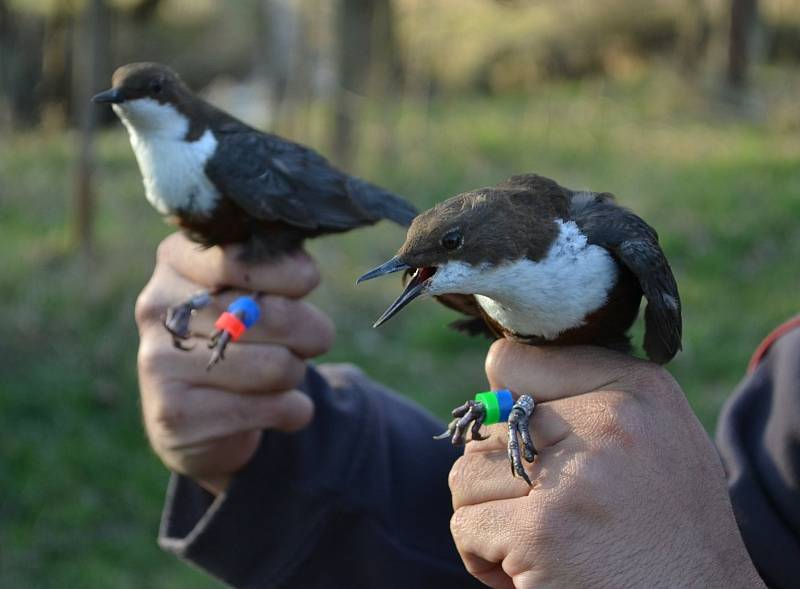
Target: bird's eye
(155, 86)
(452, 240)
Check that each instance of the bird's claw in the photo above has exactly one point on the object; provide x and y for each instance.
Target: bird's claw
(472, 412)
(179, 317)
(217, 344)
(519, 426)
(178, 343)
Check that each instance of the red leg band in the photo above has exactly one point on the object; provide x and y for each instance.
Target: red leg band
(232, 324)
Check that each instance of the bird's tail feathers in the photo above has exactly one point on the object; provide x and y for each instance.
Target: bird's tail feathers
(381, 203)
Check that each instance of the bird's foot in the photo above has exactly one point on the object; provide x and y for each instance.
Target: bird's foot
(495, 407)
(470, 413)
(219, 341)
(241, 315)
(180, 316)
(519, 425)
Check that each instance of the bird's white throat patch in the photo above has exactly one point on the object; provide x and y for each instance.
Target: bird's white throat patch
(173, 169)
(543, 298)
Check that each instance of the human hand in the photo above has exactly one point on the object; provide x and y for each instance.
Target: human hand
(628, 489)
(207, 424)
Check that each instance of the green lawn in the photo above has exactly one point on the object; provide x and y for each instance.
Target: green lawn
(81, 491)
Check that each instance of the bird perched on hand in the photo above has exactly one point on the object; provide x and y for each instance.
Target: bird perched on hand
(533, 261)
(225, 182)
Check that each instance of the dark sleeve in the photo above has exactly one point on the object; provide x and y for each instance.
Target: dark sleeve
(759, 441)
(358, 499)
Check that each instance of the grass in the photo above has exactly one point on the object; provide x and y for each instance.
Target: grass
(82, 491)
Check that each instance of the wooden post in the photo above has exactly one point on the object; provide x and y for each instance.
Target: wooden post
(744, 16)
(89, 59)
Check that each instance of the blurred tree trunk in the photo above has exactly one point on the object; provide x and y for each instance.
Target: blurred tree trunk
(352, 61)
(21, 37)
(366, 52)
(56, 84)
(741, 41)
(283, 62)
(90, 72)
(386, 66)
(694, 32)
(5, 48)
(387, 75)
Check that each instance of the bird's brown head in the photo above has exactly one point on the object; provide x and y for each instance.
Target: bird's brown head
(147, 80)
(150, 98)
(448, 246)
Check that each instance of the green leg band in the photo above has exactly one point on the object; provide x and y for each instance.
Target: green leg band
(489, 400)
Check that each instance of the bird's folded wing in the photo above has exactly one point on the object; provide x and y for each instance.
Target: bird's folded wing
(635, 244)
(277, 180)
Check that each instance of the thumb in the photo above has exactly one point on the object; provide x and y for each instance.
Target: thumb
(556, 372)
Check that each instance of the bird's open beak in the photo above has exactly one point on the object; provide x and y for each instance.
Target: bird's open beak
(415, 287)
(393, 265)
(111, 96)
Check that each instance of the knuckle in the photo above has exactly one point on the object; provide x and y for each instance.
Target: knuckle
(166, 418)
(170, 417)
(471, 521)
(456, 477)
(147, 310)
(460, 523)
(496, 359)
(464, 473)
(507, 360)
(151, 357)
(167, 426)
(307, 274)
(473, 566)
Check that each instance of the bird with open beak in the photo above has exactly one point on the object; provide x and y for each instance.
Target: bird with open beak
(224, 182)
(535, 262)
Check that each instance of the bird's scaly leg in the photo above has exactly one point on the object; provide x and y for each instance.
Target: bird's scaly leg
(241, 315)
(494, 407)
(519, 423)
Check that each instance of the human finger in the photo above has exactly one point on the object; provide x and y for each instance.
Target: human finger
(555, 372)
(482, 473)
(589, 423)
(296, 324)
(197, 417)
(249, 368)
(483, 535)
(292, 275)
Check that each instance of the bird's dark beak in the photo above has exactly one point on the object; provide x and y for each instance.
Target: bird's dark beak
(112, 96)
(415, 287)
(393, 265)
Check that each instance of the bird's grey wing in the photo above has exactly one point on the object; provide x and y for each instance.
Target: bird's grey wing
(277, 180)
(635, 244)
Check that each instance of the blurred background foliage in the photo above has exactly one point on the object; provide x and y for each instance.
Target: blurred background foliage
(686, 109)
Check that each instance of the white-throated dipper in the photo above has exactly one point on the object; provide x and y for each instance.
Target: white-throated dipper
(225, 182)
(533, 261)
